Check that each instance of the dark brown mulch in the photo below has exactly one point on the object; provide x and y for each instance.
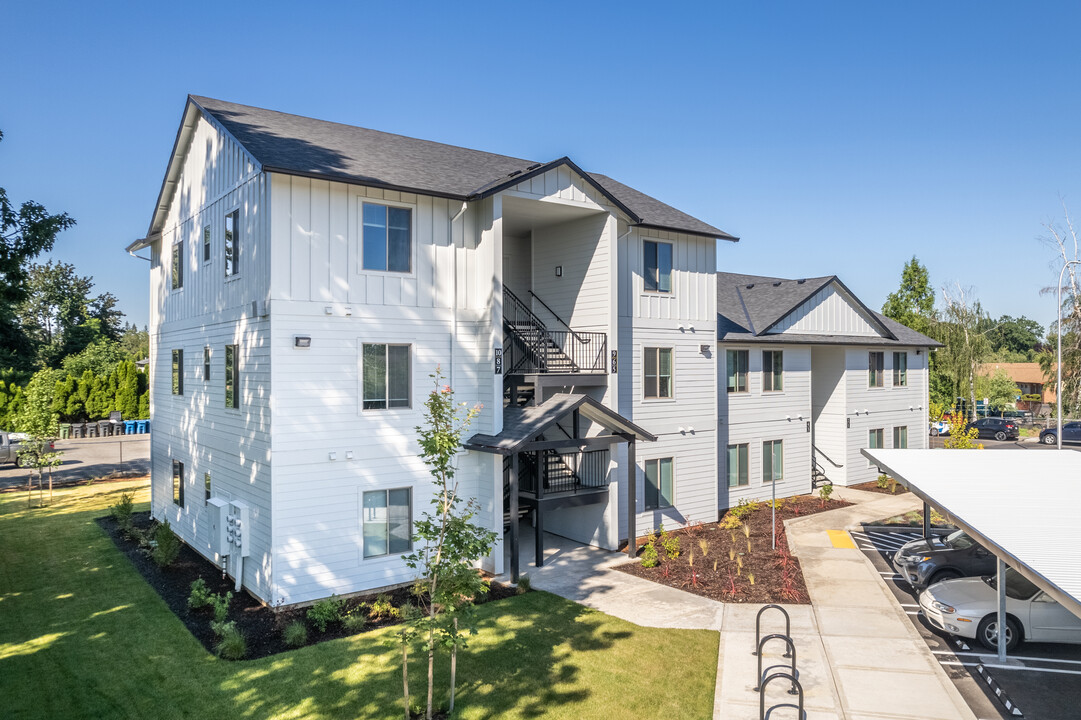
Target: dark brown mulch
(716, 573)
(261, 625)
(872, 486)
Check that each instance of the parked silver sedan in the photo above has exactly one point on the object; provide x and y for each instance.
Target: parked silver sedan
(968, 607)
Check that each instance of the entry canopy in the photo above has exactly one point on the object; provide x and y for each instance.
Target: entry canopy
(1023, 505)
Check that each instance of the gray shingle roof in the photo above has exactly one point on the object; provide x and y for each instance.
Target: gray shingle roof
(297, 145)
(748, 305)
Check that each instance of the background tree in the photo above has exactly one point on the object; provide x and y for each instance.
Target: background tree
(1067, 247)
(37, 419)
(1013, 339)
(965, 346)
(1000, 391)
(913, 303)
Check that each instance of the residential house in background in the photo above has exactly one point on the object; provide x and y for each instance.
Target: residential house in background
(1030, 380)
(809, 375)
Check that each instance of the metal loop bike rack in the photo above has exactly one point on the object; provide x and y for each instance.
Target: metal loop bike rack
(762, 695)
(789, 645)
(758, 626)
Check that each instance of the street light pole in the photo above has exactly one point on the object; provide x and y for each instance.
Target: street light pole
(1058, 365)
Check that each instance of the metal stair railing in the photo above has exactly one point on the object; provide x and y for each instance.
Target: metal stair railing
(529, 346)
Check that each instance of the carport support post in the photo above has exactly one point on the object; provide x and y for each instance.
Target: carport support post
(514, 518)
(1001, 610)
(926, 521)
(632, 499)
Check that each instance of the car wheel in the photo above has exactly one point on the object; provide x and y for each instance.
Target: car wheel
(1000, 435)
(943, 575)
(987, 633)
(1049, 439)
(934, 432)
(18, 461)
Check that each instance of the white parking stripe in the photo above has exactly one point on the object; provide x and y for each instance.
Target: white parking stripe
(1024, 668)
(1015, 657)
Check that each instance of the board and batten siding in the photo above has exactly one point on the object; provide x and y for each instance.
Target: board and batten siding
(756, 416)
(830, 311)
(694, 291)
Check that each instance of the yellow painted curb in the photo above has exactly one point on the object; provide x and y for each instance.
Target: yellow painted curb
(841, 539)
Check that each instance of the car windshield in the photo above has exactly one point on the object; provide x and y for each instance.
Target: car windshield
(1018, 587)
(959, 540)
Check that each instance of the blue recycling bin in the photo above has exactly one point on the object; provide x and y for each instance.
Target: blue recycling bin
(129, 427)
(143, 426)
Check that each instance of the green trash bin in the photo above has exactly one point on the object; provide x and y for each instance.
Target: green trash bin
(65, 431)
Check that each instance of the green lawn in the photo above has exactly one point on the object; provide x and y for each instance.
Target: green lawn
(83, 636)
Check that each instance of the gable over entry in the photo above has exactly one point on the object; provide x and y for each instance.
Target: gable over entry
(547, 467)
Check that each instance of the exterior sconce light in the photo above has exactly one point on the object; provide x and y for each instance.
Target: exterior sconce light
(559, 271)
(328, 310)
(302, 341)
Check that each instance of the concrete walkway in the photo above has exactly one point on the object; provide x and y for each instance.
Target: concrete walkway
(858, 656)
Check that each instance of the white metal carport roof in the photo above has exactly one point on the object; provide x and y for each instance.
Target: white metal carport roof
(1023, 505)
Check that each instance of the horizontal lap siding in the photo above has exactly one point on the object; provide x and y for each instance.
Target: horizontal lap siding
(756, 416)
(580, 296)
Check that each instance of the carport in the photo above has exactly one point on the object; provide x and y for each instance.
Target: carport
(987, 494)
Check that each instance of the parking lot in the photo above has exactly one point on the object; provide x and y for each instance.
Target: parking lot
(1040, 681)
(88, 459)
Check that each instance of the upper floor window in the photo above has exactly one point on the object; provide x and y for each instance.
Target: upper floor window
(658, 372)
(772, 370)
(178, 265)
(388, 238)
(388, 522)
(232, 377)
(736, 366)
(206, 243)
(657, 261)
(737, 465)
(658, 483)
(178, 372)
(206, 364)
(772, 460)
(875, 365)
(900, 369)
(386, 376)
(232, 243)
(178, 483)
(900, 437)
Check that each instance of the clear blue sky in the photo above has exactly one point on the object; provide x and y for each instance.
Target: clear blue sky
(833, 138)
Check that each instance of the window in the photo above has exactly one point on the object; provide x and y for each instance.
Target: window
(737, 465)
(736, 364)
(178, 265)
(232, 377)
(206, 243)
(658, 372)
(772, 460)
(178, 483)
(178, 372)
(388, 522)
(206, 485)
(900, 437)
(658, 266)
(658, 483)
(772, 371)
(232, 243)
(900, 369)
(388, 238)
(874, 441)
(874, 369)
(206, 364)
(386, 376)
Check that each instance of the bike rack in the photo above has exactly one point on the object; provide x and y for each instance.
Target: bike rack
(762, 695)
(758, 627)
(789, 645)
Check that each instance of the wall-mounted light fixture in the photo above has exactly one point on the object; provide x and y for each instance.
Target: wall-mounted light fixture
(704, 349)
(348, 454)
(348, 310)
(559, 271)
(302, 341)
(328, 310)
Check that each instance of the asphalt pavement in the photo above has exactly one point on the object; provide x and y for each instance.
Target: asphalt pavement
(89, 459)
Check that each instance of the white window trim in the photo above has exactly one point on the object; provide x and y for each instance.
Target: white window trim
(893, 368)
(388, 556)
(237, 235)
(645, 483)
(867, 373)
(762, 448)
(642, 356)
(642, 259)
(739, 393)
(361, 342)
(881, 445)
(750, 467)
(359, 240)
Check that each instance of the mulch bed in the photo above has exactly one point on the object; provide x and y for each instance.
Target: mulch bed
(872, 486)
(261, 625)
(710, 558)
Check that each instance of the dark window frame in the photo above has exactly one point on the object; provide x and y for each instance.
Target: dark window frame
(773, 371)
(876, 360)
(231, 244)
(739, 372)
(657, 266)
(178, 483)
(898, 436)
(655, 498)
(206, 486)
(206, 363)
(232, 376)
(177, 265)
(206, 243)
(386, 402)
(177, 369)
(900, 374)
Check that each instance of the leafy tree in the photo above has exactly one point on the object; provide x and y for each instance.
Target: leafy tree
(99, 358)
(960, 438)
(999, 389)
(913, 303)
(965, 346)
(1067, 249)
(37, 419)
(451, 543)
(135, 343)
(25, 233)
(1013, 337)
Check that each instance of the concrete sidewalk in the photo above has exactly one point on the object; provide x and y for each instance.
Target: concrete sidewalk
(858, 657)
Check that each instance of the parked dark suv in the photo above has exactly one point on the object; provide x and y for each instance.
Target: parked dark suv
(996, 428)
(926, 562)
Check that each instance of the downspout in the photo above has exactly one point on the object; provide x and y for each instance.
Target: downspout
(454, 301)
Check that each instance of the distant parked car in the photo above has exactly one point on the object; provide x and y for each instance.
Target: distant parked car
(9, 447)
(926, 562)
(996, 428)
(1071, 433)
(940, 427)
(968, 607)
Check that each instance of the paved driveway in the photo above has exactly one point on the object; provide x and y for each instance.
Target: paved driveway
(87, 459)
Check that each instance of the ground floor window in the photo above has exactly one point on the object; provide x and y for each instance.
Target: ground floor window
(388, 522)
(658, 483)
(206, 484)
(737, 465)
(772, 460)
(900, 437)
(178, 483)
(386, 376)
(874, 441)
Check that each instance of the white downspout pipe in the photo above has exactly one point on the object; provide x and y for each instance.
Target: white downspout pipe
(454, 300)
(239, 570)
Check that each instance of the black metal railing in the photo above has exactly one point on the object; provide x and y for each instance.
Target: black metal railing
(530, 347)
(564, 472)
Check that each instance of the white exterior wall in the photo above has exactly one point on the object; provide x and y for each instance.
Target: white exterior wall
(216, 177)
(829, 411)
(580, 296)
(317, 401)
(755, 416)
(830, 311)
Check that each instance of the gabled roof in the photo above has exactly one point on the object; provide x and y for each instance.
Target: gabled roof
(522, 424)
(748, 306)
(297, 145)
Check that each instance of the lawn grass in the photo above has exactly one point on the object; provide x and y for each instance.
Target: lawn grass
(83, 636)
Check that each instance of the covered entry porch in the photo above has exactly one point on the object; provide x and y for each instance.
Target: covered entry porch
(562, 467)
